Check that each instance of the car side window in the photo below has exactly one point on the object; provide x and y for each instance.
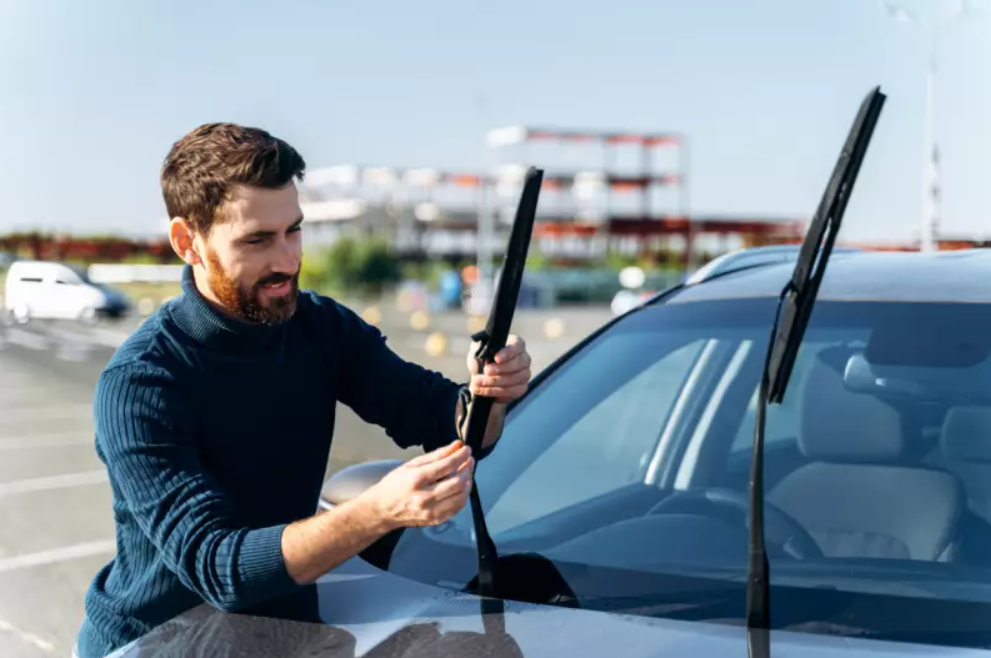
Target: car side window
(608, 448)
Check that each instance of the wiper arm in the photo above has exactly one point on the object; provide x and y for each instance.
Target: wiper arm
(491, 340)
(792, 316)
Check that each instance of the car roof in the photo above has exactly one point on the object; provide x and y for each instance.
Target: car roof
(38, 265)
(953, 276)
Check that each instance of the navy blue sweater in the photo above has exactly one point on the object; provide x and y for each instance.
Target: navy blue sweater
(216, 436)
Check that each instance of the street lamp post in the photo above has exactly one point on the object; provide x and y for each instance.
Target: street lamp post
(930, 208)
(930, 184)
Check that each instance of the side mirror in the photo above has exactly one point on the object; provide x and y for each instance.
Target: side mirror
(350, 482)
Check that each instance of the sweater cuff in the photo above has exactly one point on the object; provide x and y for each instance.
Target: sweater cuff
(263, 566)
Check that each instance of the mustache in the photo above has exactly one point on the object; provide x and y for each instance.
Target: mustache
(275, 279)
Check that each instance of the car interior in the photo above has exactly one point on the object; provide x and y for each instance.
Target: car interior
(874, 476)
(861, 480)
(885, 471)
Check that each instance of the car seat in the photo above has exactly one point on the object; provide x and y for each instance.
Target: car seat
(966, 446)
(860, 496)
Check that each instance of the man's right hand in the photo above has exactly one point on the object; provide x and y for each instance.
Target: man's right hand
(426, 490)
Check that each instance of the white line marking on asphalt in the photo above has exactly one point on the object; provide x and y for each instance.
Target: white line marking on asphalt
(53, 482)
(48, 412)
(11, 388)
(46, 338)
(54, 555)
(27, 339)
(46, 441)
(95, 336)
(13, 395)
(34, 640)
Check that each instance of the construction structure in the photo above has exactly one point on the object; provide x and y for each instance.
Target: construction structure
(619, 191)
(605, 191)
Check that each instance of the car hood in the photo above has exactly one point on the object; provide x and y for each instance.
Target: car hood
(360, 611)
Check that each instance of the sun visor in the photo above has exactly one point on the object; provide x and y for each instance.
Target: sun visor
(937, 340)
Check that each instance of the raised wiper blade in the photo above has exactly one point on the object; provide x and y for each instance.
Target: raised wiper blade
(800, 292)
(794, 308)
(492, 339)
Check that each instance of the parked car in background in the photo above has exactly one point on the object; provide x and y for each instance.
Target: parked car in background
(58, 291)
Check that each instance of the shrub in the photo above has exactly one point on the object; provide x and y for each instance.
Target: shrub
(351, 267)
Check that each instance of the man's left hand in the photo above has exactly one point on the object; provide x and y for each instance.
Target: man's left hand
(507, 378)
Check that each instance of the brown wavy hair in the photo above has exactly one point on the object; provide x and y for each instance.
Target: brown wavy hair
(203, 168)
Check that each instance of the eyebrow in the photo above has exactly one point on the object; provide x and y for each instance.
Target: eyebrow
(268, 234)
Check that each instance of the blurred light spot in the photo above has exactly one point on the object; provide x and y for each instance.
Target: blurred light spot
(553, 328)
(372, 315)
(419, 321)
(476, 323)
(436, 344)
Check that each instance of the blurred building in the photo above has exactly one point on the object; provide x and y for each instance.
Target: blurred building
(603, 191)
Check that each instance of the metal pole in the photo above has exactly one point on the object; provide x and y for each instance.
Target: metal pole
(485, 224)
(928, 241)
(683, 210)
(485, 229)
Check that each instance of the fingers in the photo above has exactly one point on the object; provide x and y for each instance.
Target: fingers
(450, 506)
(500, 381)
(516, 363)
(514, 348)
(435, 455)
(511, 359)
(457, 484)
(501, 387)
(436, 470)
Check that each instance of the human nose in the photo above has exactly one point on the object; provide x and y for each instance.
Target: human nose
(288, 258)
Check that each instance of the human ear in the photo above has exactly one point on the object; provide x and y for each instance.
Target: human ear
(182, 236)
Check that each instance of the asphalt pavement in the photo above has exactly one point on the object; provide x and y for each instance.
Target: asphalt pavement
(56, 520)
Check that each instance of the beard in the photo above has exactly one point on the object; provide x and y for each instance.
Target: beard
(246, 301)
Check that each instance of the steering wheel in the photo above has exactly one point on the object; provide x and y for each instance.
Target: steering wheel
(781, 531)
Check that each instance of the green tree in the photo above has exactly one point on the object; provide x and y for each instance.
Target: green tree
(352, 267)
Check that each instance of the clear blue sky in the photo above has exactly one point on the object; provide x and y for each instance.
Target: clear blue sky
(94, 93)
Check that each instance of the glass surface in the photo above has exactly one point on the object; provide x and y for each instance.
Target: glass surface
(593, 469)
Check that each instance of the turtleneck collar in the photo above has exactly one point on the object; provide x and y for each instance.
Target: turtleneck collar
(202, 322)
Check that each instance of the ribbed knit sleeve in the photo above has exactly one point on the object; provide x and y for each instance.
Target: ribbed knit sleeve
(414, 405)
(144, 433)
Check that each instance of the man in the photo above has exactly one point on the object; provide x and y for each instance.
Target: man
(215, 417)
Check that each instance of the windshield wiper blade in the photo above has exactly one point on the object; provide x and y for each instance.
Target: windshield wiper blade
(792, 317)
(492, 339)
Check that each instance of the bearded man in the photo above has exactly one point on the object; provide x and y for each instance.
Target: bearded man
(215, 418)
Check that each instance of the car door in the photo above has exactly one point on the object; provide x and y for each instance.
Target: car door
(64, 292)
(29, 292)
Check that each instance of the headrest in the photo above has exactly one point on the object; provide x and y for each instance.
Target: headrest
(838, 425)
(967, 434)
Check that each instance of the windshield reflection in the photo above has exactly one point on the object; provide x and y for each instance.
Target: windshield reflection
(870, 489)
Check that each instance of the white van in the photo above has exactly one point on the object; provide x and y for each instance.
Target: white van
(49, 290)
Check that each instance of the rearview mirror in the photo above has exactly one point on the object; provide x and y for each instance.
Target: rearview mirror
(945, 385)
(350, 482)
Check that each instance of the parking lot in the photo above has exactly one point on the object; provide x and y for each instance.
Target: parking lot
(56, 523)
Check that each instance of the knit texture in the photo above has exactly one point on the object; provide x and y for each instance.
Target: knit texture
(216, 436)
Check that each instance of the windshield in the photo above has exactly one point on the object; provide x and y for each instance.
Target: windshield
(628, 469)
(81, 272)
